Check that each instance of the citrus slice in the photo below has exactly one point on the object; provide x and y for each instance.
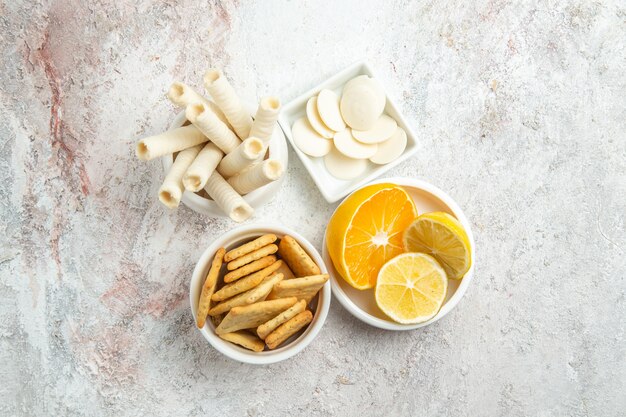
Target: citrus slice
(411, 288)
(442, 236)
(366, 231)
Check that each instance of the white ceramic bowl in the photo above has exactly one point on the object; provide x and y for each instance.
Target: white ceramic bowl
(320, 304)
(362, 304)
(277, 150)
(333, 188)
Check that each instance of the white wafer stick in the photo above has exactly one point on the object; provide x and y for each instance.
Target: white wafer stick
(225, 97)
(172, 189)
(241, 158)
(227, 198)
(265, 119)
(257, 176)
(216, 130)
(169, 142)
(182, 95)
(200, 170)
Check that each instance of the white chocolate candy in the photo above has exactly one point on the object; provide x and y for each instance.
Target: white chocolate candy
(328, 108)
(372, 83)
(265, 119)
(361, 106)
(383, 129)
(391, 149)
(308, 140)
(172, 188)
(226, 99)
(316, 121)
(352, 148)
(241, 158)
(202, 167)
(182, 95)
(227, 198)
(169, 142)
(216, 130)
(257, 176)
(342, 167)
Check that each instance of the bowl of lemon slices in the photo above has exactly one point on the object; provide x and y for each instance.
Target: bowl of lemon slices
(400, 253)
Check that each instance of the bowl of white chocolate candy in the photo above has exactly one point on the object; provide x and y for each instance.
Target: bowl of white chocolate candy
(347, 131)
(219, 159)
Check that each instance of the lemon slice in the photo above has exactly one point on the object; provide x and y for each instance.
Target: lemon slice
(411, 288)
(442, 236)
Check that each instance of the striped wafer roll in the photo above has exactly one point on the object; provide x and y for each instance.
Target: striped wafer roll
(225, 97)
(182, 95)
(200, 170)
(208, 123)
(171, 190)
(242, 157)
(265, 119)
(257, 176)
(227, 199)
(169, 142)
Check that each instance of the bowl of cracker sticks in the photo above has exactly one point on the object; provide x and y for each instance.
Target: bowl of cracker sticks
(221, 156)
(260, 294)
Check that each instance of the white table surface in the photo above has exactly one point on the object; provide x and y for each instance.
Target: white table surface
(521, 111)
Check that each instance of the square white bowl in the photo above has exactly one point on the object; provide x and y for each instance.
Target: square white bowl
(333, 188)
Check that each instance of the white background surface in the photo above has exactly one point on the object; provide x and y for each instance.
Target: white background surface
(521, 112)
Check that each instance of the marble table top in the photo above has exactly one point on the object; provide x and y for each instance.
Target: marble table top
(520, 109)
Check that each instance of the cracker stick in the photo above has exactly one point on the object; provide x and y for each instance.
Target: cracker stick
(209, 287)
(237, 287)
(303, 288)
(252, 256)
(288, 329)
(244, 249)
(283, 268)
(245, 339)
(298, 260)
(250, 281)
(271, 325)
(250, 268)
(251, 296)
(250, 316)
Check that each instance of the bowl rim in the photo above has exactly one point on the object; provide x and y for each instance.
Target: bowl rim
(238, 353)
(364, 316)
(277, 149)
(362, 68)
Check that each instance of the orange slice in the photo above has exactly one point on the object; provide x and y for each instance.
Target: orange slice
(366, 231)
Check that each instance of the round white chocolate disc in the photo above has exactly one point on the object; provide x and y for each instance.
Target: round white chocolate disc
(316, 121)
(383, 129)
(352, 148)
(308, 140)
(328, 108)
(361, 106)
(390, 149)
(342, 167)
(366, 79)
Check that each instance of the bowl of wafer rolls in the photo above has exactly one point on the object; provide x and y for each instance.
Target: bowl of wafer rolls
(260, 294)
(221, 156)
